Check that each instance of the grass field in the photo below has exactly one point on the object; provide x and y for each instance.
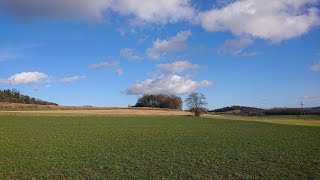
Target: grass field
(149, 147)
(310, 120)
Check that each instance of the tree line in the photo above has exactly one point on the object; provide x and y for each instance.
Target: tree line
(14, 96)
(253, 111)
(291, 111)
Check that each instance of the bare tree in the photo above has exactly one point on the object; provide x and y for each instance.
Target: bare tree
(197, 103)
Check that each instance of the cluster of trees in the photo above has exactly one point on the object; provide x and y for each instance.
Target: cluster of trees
(14, 96)
(196, 102)
(160, 101)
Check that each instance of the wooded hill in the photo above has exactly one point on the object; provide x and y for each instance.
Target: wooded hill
(253, 111)
(14, 96)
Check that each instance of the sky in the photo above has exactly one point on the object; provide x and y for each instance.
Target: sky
(262, 53)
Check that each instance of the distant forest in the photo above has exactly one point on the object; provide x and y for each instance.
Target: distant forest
(14, 96)
(252, 111)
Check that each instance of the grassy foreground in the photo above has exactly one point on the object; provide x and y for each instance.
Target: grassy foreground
(309, 120)
(181, 147)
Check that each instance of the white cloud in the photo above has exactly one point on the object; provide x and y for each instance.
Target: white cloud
(155, 11)
(25, 78)
(315, 67)
(129, 54)
(172, 44)
(104, 65)
(70, 79)
(177, 67)
(170, 84)
(275, 20)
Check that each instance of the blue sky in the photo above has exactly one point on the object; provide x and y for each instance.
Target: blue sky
(108, 53)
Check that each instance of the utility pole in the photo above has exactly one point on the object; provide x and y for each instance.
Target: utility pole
(303, 114)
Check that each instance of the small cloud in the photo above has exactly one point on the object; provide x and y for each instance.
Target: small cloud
(119, 71)
(104, 65)
(25, 78)
(142, 39)
(108, 65)
(70, 79)
(121, 31)
(47, 86)
(311, 97)
(172, 44)
(177, 67)
(129, 54)
(315, 67)
(310, 100)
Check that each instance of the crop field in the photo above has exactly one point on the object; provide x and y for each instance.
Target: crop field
(155, 147)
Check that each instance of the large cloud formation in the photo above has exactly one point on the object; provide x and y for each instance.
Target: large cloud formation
(274, 20)
(151, 11)
(169, 84)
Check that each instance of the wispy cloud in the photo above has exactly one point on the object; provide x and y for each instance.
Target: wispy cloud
(237, 46)
(130, 55)
(10, 52)
(104, 65)
(4, 56)
(71, 79)
(177, 67)
(119, 71)
(108, 65)
(315, 67)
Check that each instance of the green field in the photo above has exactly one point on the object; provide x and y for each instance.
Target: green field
(51, 147)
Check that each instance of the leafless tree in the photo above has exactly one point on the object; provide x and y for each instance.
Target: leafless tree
(197, 103)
